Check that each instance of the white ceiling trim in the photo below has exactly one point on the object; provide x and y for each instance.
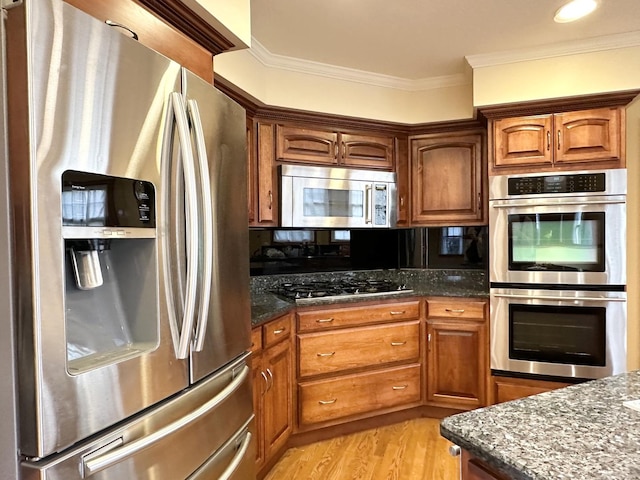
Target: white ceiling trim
(560, 49)
(297, 65)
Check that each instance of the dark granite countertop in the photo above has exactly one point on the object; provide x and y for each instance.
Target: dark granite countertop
(580, 432)
(452, 283)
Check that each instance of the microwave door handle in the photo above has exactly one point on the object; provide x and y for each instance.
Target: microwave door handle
(177, 116)
(207, 218)
(367, 203)
(554, 297)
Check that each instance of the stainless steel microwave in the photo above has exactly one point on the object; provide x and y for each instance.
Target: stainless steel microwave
(331, 197)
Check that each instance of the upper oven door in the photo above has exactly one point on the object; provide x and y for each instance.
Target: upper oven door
(558, 240)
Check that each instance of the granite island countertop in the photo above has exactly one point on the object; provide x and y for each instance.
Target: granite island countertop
(580, 432)
(451, 283)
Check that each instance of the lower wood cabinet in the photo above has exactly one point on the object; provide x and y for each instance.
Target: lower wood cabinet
(356, 362)
(457, 353)
(473, 468)
(272, 388)
(505, 389)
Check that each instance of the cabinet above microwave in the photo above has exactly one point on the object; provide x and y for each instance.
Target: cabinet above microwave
(326, 197)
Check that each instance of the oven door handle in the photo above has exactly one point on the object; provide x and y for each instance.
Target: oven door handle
(513, 204)
(552, 297)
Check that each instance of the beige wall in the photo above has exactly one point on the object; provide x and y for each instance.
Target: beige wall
(565, 76)
(303, 91)
(633, 234)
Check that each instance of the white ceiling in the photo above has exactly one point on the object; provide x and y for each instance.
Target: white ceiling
(422, 39)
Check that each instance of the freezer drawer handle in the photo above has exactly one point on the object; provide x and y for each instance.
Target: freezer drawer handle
(95, 465)
(237, 458)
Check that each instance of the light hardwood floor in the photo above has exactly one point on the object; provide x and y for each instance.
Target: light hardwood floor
(411, 450)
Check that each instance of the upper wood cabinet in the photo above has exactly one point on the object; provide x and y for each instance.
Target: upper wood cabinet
(448, 179)
(262, 175)
(325, 147)
(153, 32)
(566, 141)
(402, 181)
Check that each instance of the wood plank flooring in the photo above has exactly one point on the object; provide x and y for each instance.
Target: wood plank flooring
(411, 450)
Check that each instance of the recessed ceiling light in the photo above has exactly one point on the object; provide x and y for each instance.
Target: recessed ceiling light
(574, 10)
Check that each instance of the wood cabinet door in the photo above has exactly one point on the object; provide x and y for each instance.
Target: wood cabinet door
(402, 181)
(266, 182)
(588, 135)
(475, 469)
(523, 141)
(278, 407)
(505, 389)
(447, 180)
(366, 151)
(304, 145)
(456, 363)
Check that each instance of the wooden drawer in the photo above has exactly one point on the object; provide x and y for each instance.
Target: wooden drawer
(351, 348)
(256, 339)
(347, 395)
(276, 330)
(455, 309)
(352, 316)
(506, 389)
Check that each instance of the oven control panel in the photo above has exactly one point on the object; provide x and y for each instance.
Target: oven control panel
(571, 183)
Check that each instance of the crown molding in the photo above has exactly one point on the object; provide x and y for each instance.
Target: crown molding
(281, 62)
(596, 44)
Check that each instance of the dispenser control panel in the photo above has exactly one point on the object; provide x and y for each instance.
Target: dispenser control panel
(95, 200)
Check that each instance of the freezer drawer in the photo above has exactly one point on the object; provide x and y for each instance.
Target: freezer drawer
(236, 460)
(168, 442)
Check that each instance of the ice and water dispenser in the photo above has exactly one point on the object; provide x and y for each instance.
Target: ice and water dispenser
(111, 274)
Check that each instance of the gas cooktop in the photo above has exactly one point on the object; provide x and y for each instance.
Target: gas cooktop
(336, 290)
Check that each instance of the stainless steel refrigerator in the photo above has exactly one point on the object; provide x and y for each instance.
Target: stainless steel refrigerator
(129, 241)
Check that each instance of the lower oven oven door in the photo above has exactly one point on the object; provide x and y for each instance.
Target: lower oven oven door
(579, 334)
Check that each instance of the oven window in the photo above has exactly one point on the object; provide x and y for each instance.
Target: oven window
(326, 202)
(558, 334)
(557, 242)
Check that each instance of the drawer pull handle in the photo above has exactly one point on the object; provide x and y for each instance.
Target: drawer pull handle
(330, 354)
(279, 331)
(398, 344)
(327, 402)
(324, 320)
(454, 310)
(400, 387)
(397, 312)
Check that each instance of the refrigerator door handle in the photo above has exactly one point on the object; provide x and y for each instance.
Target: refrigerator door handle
(94, 465)
(237, 458)
(207, 224)
(176, 115)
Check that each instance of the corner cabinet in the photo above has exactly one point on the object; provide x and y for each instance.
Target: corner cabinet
(357, 362)
(325, 147)
(564, 141)
(448, 179)
(457, 353)
(272, 369)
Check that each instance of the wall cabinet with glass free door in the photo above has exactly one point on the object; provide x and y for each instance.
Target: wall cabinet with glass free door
(581, 139)
(272, 388)
(309, 145)
(357, 362)
(447, 178)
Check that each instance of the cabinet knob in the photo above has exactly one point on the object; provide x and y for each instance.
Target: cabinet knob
(330, 354)
(397, 312)
(327, 402)
(454, 310)
(454, 450)
(398, 344)
(548, 140)
(278, 331)
(270, 199)
(558, 140)
(399, 387)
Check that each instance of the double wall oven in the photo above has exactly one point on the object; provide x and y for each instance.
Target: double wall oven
(558, 274)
